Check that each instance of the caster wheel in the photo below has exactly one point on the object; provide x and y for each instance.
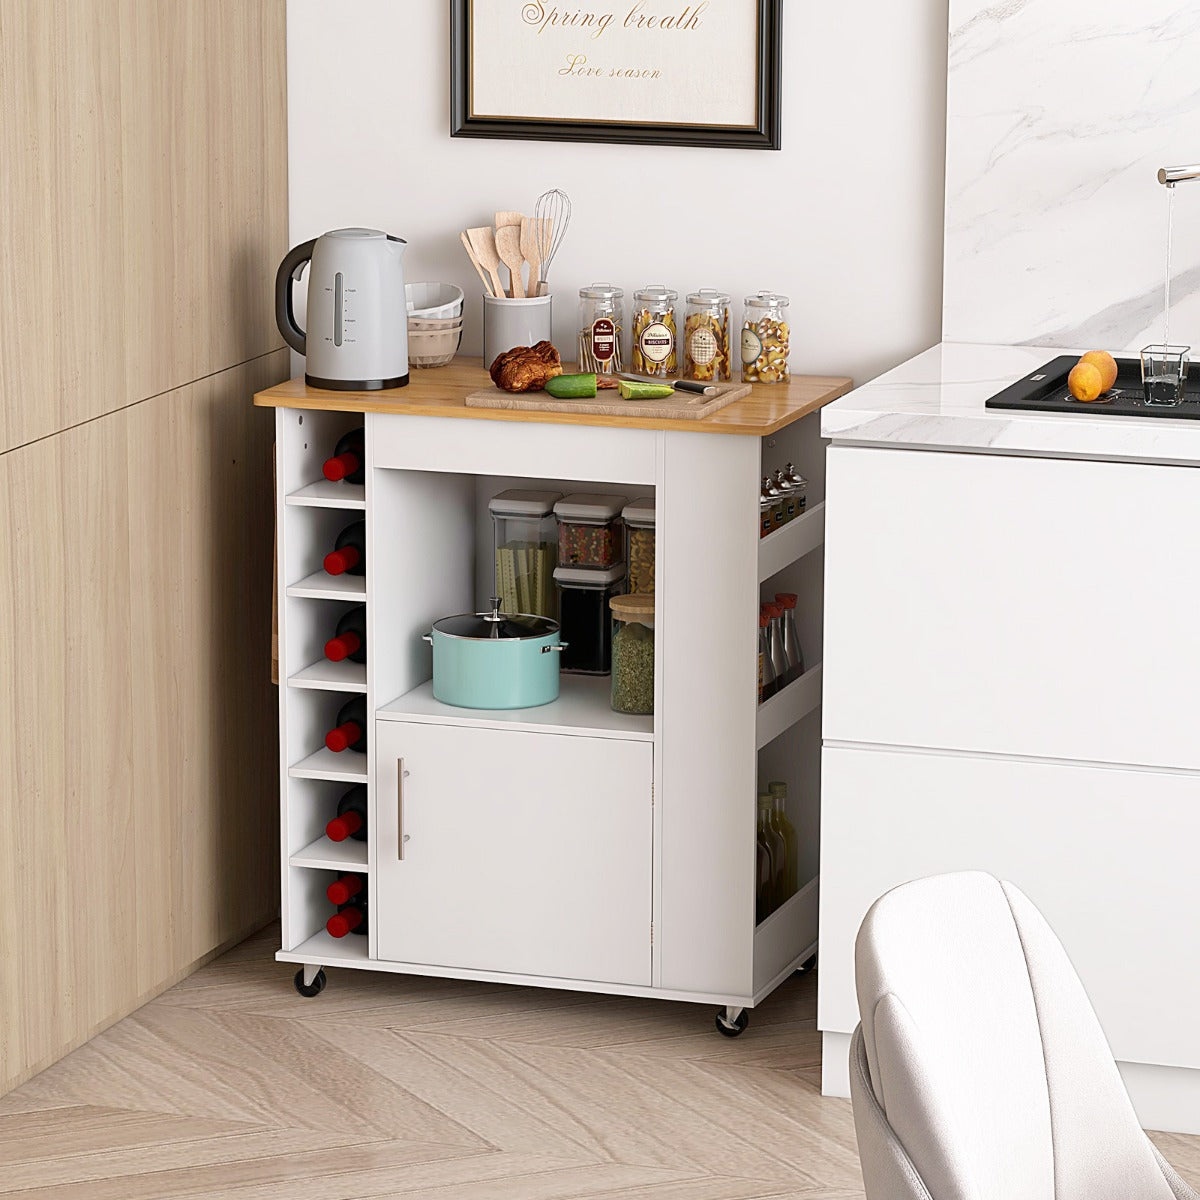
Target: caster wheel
(310, 989)
(732, 1028)
(807, 965)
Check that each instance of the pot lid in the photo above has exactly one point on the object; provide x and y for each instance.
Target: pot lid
(496, 626)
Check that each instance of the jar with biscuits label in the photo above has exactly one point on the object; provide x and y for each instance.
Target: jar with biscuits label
(706, 354)
(655, 335)
(766, 336)
(601, 329)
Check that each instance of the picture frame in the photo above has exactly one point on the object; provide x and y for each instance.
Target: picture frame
(638, 98)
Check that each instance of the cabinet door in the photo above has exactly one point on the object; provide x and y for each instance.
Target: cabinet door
(526, 853)
(1025, 606)
(1108, 856)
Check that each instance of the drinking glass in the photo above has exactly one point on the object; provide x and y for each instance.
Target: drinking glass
(1164, 374)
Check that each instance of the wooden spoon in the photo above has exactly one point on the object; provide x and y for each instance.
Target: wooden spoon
(508, 242)
(487, 283)
(531, 243)
(483, 242)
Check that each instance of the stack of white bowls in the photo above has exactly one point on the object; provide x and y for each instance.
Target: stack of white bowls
(435, 320)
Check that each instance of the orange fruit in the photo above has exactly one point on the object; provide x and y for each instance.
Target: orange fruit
(1085, 381)
(1107, 366)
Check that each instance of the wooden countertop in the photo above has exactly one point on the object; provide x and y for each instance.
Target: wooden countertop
(441, 392)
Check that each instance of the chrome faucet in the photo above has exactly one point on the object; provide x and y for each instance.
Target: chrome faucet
(1170, 176)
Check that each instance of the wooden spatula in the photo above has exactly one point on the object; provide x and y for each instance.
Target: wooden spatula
(531, 243)
(483, 242)
(508, 243)
(507, 218)
(487, 283)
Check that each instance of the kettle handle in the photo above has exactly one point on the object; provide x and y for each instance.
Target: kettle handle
(285, 316)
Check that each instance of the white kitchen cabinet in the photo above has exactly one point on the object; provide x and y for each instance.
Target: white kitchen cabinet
(564, 846)
(1120, 891)
(1010, 683)
(522, 852)
(1024, 606)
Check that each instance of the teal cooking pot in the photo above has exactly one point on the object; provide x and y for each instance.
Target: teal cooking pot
(495, 660)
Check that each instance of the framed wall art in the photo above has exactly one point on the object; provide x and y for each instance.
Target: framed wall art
(653, 71)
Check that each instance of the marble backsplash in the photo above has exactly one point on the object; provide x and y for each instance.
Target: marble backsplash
(1059, 113)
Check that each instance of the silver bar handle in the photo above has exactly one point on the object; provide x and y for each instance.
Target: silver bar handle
(401, 836)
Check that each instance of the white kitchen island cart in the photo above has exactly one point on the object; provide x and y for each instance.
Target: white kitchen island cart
(565, 846)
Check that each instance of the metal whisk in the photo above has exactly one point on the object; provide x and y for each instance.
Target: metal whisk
(552, 212)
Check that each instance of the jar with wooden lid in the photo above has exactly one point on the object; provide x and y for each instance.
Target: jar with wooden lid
(655, 335)
(601, 328)
(706, 337)
(633, 654)
(766, 337)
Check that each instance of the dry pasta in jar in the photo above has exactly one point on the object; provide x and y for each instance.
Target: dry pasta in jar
(766, 337)
(655, 335)
(706, 337)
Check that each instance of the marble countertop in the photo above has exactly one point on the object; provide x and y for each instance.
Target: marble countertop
(935, 401)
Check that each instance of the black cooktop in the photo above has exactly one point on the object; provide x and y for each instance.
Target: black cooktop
(1045, 390)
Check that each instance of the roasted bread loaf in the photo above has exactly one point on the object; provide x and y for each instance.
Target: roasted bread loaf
(526, 368)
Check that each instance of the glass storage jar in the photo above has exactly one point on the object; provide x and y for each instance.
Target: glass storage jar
(601, 328)
(526, 541)
(638, 517)
(765, 338)
(589, 530)
(584, 624)
(633, 654)
(655, 336)
(706, 337)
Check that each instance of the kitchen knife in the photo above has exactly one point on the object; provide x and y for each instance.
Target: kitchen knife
(680, 385)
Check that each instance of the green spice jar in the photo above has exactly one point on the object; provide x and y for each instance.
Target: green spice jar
(633, 654)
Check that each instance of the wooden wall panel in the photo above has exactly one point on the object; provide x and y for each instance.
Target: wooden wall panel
(144, 193)
(139, 810)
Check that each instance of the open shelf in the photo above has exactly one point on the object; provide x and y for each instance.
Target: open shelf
(349, 855)
(785, 708)
(326, 494)
(326, 676)
(322, 586)
(789, 930)
(796, 539)
(347, 767)
(582, 708)
(350, 951)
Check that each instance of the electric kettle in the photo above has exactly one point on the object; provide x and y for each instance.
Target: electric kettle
(357, 335)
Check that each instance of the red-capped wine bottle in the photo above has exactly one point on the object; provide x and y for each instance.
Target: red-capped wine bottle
(345, 888)
(350, 639)
(349, 458)
(350, 730)
(349, 553)
(349, 918)
(351, 819)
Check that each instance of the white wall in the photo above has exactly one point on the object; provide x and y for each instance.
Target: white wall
(1059, 116)
(846, 219)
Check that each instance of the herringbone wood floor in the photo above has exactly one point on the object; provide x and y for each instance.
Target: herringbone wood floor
(232, 1085)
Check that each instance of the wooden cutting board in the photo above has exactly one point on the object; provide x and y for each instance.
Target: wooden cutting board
(682, 406)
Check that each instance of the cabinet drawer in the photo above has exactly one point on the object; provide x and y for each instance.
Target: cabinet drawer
(526, 853)
(1108, 855)
(1015, 605)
